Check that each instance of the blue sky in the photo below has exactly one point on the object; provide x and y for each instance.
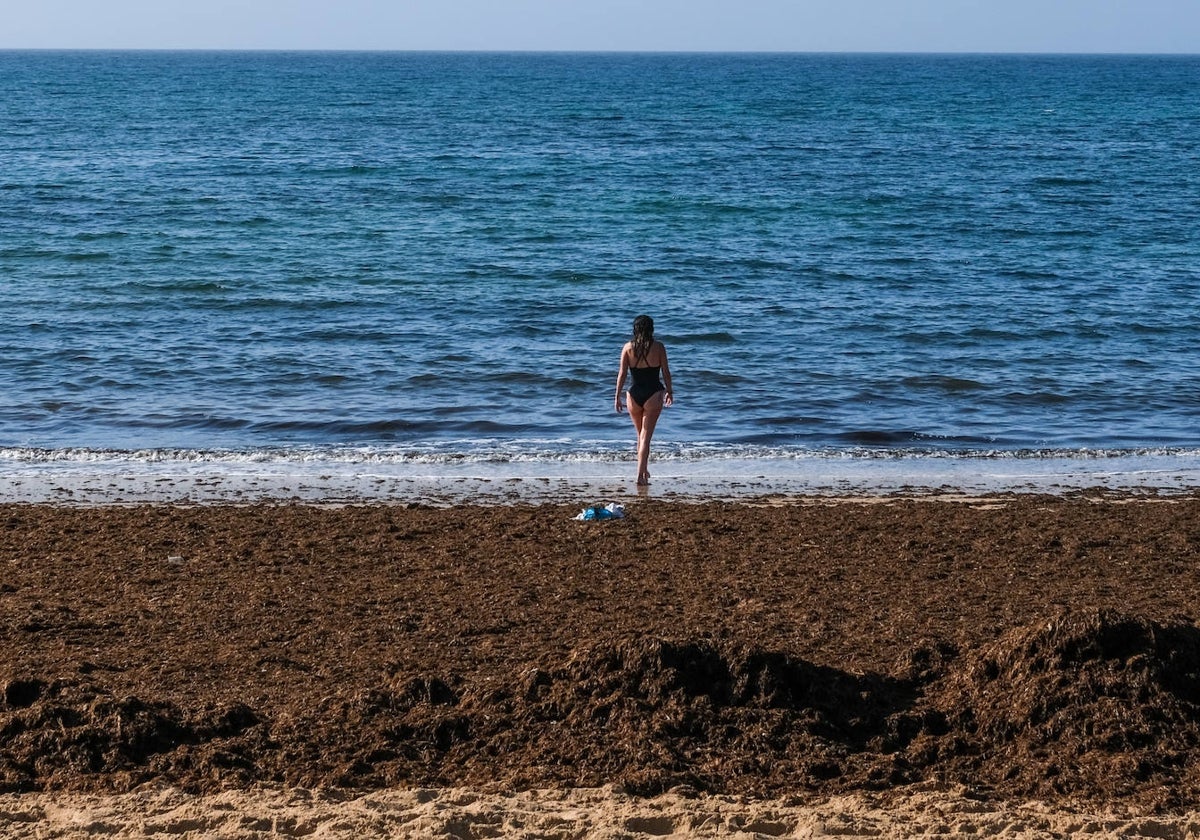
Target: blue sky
(788, 25)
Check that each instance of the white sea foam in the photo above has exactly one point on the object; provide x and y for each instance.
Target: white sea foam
(493, 451)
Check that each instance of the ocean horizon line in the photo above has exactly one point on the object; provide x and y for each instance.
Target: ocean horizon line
(602, 52)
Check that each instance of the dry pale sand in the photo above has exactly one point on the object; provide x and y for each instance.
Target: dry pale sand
(599, 813)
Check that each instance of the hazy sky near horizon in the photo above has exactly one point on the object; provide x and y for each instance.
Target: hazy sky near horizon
(704, 25)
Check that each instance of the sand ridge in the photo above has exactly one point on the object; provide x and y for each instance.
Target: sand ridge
(597, 814)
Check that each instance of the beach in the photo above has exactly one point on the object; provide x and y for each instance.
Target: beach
(1012, 662)
(308, 362)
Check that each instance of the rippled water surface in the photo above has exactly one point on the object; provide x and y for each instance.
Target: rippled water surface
(442, 253)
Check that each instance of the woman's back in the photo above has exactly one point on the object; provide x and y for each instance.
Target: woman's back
(651, 358)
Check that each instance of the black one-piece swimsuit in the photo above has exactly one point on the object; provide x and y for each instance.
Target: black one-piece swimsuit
(645, 384)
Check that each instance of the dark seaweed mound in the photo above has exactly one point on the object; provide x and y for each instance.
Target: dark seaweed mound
(1092, 705)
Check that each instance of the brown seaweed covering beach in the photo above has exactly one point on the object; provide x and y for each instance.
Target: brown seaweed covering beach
(1013, 648)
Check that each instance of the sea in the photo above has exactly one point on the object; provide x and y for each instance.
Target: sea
(364, 275)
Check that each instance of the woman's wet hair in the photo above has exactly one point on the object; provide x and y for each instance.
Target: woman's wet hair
(643, 337)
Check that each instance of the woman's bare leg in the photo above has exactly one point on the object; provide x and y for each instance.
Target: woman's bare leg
(637, 415)
(645, 422)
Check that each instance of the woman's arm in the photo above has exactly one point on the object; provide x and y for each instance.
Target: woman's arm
(668, 397)
(621, 371)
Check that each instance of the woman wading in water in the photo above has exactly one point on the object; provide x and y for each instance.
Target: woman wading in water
(642, 357)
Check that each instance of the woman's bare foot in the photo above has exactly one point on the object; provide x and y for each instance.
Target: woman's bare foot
(643, 479)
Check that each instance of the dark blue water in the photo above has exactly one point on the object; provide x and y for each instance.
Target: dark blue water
(444, 252)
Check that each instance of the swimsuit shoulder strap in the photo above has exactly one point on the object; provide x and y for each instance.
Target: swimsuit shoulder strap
(643, 358)
(650, 352)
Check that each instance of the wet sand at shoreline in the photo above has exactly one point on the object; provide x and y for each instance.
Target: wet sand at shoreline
(1008, 650)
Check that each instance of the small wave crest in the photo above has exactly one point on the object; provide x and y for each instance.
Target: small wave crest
(703, 338)
(862, 446)
(949, 384)
(1065, 181)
